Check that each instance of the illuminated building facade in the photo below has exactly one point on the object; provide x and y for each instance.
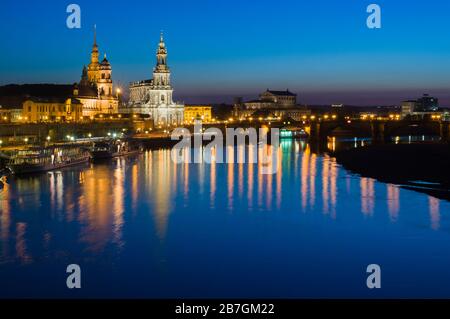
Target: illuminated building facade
(95, 90)
(278, 104)
(155, 96)
(197, 112)
(51, 110)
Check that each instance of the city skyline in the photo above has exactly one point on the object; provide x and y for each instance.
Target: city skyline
(216, 53)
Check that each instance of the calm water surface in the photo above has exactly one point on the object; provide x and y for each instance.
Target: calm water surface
(146, 227)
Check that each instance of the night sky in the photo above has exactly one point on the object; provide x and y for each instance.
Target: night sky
(320, 49)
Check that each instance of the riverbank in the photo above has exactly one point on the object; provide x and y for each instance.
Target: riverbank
(421, 167)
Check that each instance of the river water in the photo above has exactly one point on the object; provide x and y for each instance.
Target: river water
(144, 227)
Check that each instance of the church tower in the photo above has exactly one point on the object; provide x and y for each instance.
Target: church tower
(93, 67)
(161, 73)
(104, 82)
(155, 96)
(95, 90)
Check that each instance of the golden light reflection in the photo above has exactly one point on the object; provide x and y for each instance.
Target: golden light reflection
(312, 180)
(329, 187)
(174, 177)
(279, 177)
(250, 175)
(325, 178)
(393, 201)
(367, 195)
(101, 206)
(134, 186)
(260, 181)
(212, 181)
(435, 214)
(304, 176)
(201, 176)
(186, 154)
(21, 244)
(230, 176)
(118, 200)
(5, 218)
(333, 186)
(265, 181)
(161, 190)
(241, 160)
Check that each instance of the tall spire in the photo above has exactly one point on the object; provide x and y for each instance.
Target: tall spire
(161, 55)
(94, 64)
(95, 35)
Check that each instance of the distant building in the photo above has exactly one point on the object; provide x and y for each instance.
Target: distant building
(10, 115)
(51, 110)
(420, 107)
(427, 103)
(408, 107)
(155, 96)
(197, 112)
(273, 104)
(4, 115)
(15, 115)
(273, 99)
(95, 90)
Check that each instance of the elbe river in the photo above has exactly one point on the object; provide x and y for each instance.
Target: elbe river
(145, 227)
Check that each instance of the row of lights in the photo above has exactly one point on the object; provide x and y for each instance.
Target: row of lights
(304, 118)
(72, 138)
(392, 117)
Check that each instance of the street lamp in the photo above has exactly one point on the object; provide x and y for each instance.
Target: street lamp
(48, 138)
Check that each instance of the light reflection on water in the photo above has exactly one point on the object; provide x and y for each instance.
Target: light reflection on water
(147, 215)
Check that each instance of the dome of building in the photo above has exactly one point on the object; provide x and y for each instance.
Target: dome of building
(105, 65)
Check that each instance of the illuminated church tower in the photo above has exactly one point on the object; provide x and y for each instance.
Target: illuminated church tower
(95, 90)
(155, 96)
(94, 65)
(104, 81)
(162, 90)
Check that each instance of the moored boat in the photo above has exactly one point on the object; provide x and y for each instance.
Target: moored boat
(113, 148)
(299, 133)
(42, 159)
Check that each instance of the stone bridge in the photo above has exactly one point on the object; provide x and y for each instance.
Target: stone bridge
(378, 130)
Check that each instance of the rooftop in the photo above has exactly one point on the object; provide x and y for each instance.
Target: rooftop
(281, 93)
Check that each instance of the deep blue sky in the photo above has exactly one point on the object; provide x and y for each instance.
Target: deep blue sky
(320, 49)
